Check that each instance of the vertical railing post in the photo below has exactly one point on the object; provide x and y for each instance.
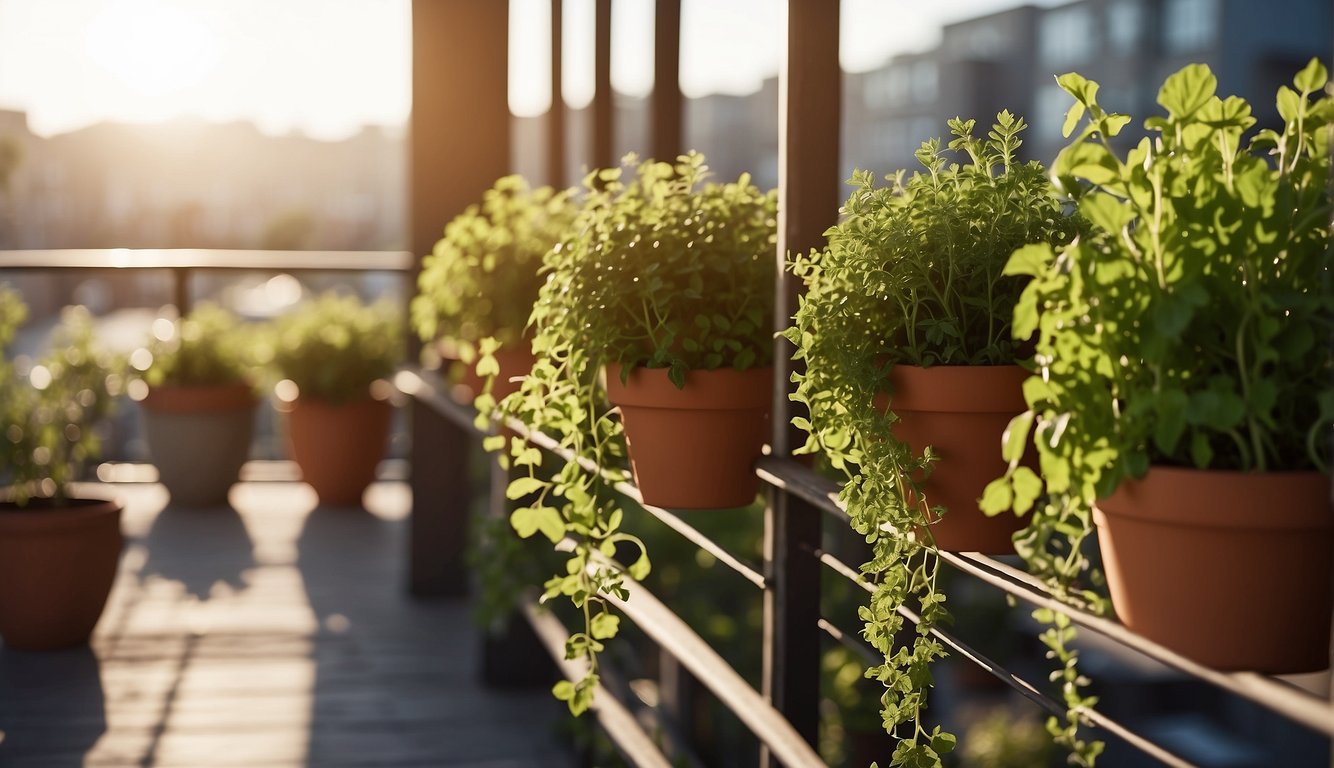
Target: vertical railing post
(665, 141)
(604, 101)
(808, 146)
(459, 145)
(556, 117)
(182, 295)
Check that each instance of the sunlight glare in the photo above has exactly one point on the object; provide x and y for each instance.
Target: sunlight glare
(153, 48)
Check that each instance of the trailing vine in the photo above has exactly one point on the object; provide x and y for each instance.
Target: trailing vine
(660, 270)
(912, 275)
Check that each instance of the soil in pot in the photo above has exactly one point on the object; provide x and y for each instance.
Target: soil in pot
(199, 437)
(961, 411)
(1231, 569)
(57, 565)
(338, 447)
(694, 448)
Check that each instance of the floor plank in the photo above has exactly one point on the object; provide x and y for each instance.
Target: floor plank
(275, 633)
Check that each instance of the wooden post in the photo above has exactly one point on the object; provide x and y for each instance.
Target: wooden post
(808, 145)
(604, 102)
(459, 146)
(666, 128)
(556, 116)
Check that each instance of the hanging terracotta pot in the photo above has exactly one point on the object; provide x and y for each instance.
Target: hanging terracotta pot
(694, 448)
(961, 411)
(199, 437)
(466, 385)
(1231, 569)
(57, 565)
(338, 447)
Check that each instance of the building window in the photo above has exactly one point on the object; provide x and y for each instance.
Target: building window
(1066, 37)
(1189, 25)
(1125, 19)
(925, 82)
(1050, 103)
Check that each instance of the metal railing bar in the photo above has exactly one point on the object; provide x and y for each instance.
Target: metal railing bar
(619, 723)
(208, 258)
(803, 482)
(677, 637)
(429, 390)
(849, 640)
(1019, 684)
(693, 535)
(412, 382)
(1300, 706)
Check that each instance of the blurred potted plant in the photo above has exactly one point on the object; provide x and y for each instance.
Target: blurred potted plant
(59, 548)
(1183, 398)
(664, 283)
(332, 350)
(482, 278)
(200, 407)
(912, 374)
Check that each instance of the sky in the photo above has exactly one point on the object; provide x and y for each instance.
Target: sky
(326, 67)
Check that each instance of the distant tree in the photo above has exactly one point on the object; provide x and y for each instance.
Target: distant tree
(288, 231)
(11, 154)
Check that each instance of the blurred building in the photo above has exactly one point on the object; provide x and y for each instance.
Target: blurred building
(1009, 60)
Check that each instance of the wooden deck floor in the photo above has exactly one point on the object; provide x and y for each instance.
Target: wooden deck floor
(277, 634)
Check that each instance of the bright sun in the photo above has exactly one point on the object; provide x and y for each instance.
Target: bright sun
(153, 48)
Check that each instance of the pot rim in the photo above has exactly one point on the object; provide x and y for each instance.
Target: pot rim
(1223, 499)
(717, 389)
(956, 388)
(194, 399)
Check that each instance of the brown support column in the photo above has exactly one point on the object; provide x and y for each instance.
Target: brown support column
(556, 117)
(603, 101)
(665, 141)
(808, 145)
(459, 145)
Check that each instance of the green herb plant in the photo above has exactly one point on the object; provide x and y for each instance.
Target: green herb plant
(912, 274)
(660, 270)
(49, 414)
(481, 280)
(1190, 327)
(209, 347)
(334, 347)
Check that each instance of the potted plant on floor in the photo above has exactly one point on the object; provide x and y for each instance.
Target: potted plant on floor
(482, 278)
(200, 408)
(661, 295)
(912, 373)
(332, 350)
(59, 547)
(1183, 398)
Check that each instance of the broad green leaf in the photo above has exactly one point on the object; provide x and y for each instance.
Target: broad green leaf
(1312, 78)
(522, 486)
(1029, 260)
(1015, 437)
(605, 625)
(1187, 90)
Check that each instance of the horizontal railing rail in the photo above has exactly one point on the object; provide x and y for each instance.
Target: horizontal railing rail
(1299, 705)
(184, 263)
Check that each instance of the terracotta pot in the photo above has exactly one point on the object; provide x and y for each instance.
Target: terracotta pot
(1231, 569)
(466, 385)
(961, 411)
(694, 448)
(338, 447)
(198, 437)
(57, 565)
